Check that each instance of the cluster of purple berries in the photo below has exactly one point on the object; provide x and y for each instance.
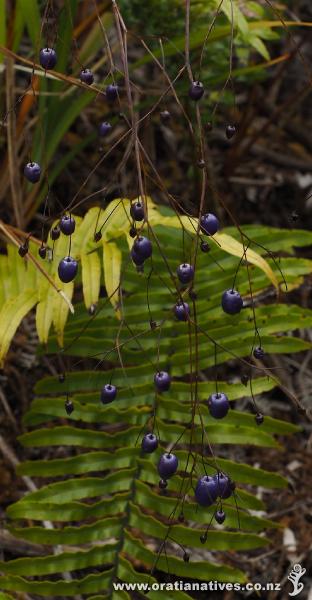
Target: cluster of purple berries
(48, 60)
(208, 489)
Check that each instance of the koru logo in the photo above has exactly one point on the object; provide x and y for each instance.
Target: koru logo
(294, 576)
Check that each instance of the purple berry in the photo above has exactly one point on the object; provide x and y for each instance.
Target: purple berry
(132, 232)
(259, 353)
(244, 379)
(196, 90)
(206, 491)
(104, 129)
(204, 246)
(67, 224)
(112, 92)
(185, 273)
(220, 516)
(142, 247)
(182, 311)
(223, 484)
(230, 131)
(259, 418)
(209, 224)
(55, 233)
(86, 76)
(23, 249)
(218, 405)
(97, 236)
(47, 58)
(137, 211)
(69, 407)
(149, 443)
(232, 302)
(42, 252)
(32, 172)
(108, 393)
(67, 269)
(162, 381)
(167, 466)
(138, 260)
(163, 484)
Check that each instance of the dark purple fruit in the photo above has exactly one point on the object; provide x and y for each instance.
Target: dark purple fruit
(67, 269)
(149, 443)
(181, 311)
(55, 233)
(230, 131)
(104, 128)
(201, 163)
(23, 249)
(232, 302)
(42, 252)
(47, 58)
(92, 309)
(137, 211)
(185, 273)
(196, 90)
(132, 232)
(167, 466)
(219, 405)
(244, 379)
(209, 224)
(108, 393)
(86, 76)
(32, 172)
(162, 381)
(97, 236)
(203, 538)
(220, 516)
(223, 484)
(204, 246)
(142, 247)
(163, 484)
(259, 353)
(137, 259)
(206, 491)
(112, 92)
(259, 418)
(67, 224)
(69, 407)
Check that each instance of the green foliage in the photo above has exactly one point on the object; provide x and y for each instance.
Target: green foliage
(103, 499)
(23, 285)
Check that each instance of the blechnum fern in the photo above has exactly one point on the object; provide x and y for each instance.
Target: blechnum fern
(111, 522)
(109, 511)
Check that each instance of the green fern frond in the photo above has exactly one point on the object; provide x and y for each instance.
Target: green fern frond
(109, 517)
